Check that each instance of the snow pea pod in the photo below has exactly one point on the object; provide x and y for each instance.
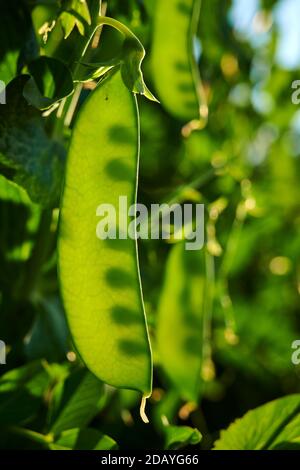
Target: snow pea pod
(175, 72)
(180, 320)
(100, 279)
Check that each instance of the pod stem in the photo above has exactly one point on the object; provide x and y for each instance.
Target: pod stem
(143, 407)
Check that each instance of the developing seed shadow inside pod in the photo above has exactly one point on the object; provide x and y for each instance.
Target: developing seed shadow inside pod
(119, 278)
(124, 315)
(119, 170)
(183, 8)
(182, 66)
(122, 135)
(133, 347)
(117, 244)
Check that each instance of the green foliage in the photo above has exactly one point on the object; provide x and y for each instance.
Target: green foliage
(130, 59)
(17, 41)
(76, 402)
(273, 426)
(21, 394)
(50, 324)
(181, 436)
(75, 14)
(31, 159)
(86, 439)
(208, 332)
(50, 82)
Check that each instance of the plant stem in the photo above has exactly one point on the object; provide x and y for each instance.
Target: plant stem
(38, 255)
(208, 307)
(68, 105)
(34, 436)
(230, 254)
(71, 110)
(195, 184)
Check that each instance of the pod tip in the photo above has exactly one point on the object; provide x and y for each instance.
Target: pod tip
(142, 409)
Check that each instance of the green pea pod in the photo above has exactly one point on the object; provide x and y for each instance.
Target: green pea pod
(175, 72)
(180, 320)
(100, 279)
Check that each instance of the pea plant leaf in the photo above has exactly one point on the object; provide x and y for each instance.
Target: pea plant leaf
(133, 54)
(50, 82)
(49, 322)
(99, 279)
(21, 393)
(77, 401)
(16, 40)
(11, 192)
(75, 13)
(30, 158)
(83, 439)
(273, 426)
(180, 320)
(177, 437)
(175, 73)
(19, 217)
(129, 59)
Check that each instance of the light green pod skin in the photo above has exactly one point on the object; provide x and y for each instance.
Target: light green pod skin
(175, 73)
(180, 320)
(100, 280)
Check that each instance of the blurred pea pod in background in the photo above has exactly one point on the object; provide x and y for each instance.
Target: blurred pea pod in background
(174, 66)
(180, 320)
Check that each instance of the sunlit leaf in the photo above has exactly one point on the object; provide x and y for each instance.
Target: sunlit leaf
(83, 439)
(75, 13)
(130, 59)
(181, 436)
(77, 402)
(275, 425)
